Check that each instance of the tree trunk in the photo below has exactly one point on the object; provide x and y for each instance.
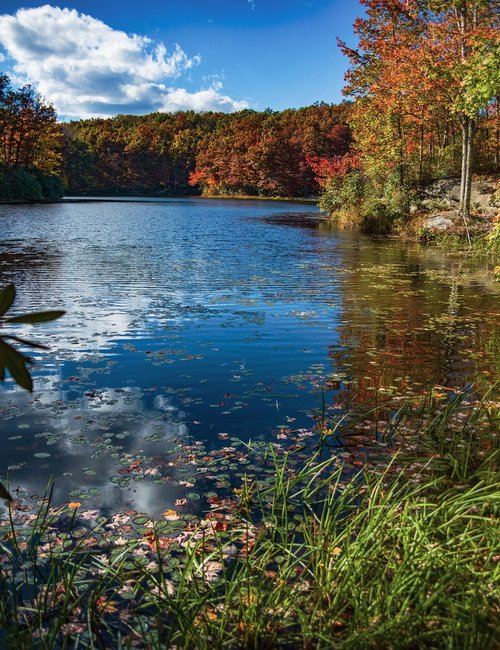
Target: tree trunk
(469, 164)
(421, 153)
(497, 136)
(464, 120)
(401, 169)
(468, 125)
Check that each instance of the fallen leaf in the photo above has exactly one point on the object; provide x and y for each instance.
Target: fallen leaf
(171, 515)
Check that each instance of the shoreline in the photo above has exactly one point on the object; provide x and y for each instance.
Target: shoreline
(146, 198)
(19, 202)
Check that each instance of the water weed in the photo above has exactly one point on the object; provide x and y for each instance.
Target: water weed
(399, 558)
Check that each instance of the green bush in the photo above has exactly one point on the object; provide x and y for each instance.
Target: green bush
(353, 189)
(342, 192)
(397, 198)
(384, 206)
(330, 199)
(20, 185)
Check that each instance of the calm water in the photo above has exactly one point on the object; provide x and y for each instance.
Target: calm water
(193, 322)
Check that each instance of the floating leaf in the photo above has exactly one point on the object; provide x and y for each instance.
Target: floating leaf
(171, 515)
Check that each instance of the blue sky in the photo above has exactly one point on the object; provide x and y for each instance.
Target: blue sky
(102, 58)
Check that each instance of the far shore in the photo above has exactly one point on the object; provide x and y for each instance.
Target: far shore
(146, 199)
(226, 197)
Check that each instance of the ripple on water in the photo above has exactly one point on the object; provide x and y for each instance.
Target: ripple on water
(192, 323)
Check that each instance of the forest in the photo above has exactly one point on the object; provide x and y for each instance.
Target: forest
(30, 146)
(422, 103)
(252, 153)
(245, 153)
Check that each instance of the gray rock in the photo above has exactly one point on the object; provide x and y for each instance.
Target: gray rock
(482, 193)
(439, 221)
(455, 193)
(441, 188)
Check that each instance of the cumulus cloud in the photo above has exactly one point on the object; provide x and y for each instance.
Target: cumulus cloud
(86, 68)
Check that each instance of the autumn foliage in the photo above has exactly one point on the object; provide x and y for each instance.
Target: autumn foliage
(30, 145)
(425, 88)
(246, 153)
(338, 166)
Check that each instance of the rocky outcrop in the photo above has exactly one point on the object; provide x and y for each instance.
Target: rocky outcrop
(440, 200)
(442, 188)
(484, 194)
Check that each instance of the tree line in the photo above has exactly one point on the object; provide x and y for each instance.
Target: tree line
(249, 153)
(216, 154)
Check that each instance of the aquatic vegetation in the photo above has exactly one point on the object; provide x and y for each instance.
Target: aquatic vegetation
(303, 557)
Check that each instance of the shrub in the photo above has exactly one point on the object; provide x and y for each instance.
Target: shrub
(20, 185)
(342, 192)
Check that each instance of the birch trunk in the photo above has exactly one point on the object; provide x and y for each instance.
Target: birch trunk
(465, 134)
(469, 167)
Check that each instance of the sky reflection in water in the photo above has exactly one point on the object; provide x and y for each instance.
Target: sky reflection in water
(207, 320)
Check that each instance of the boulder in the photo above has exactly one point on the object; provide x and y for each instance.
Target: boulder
(441, 189)
(482, 195)
(455, 193)
(447, 191)
(440, 222)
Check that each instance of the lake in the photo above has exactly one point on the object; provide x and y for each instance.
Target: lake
(194, 326)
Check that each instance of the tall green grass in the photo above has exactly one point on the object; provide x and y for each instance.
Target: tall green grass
(403, 558)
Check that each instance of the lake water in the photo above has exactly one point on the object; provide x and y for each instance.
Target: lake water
(192, 325)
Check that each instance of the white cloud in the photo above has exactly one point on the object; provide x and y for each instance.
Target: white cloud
(209, 99)
(86, 68)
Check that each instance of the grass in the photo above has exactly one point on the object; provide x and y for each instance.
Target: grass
(484, 245)
(400, 558)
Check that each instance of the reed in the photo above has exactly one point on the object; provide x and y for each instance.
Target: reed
(403, 558)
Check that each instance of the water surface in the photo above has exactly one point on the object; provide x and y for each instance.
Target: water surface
(194, 323)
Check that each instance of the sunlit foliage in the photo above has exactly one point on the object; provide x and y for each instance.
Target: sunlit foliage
(30, 143)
